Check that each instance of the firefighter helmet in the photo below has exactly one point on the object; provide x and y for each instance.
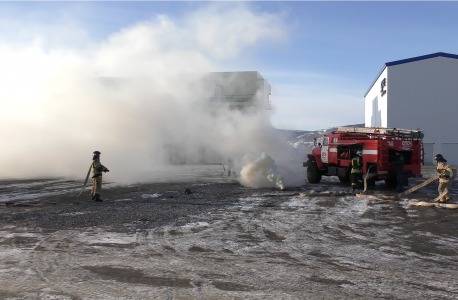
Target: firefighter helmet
(359, 152)
(440, 158)
(96, 154)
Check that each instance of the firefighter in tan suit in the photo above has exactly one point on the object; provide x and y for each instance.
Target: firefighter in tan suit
(444, 171)
(97, 169)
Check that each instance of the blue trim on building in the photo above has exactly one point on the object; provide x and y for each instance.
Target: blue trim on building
(408, 60)
(404, 61)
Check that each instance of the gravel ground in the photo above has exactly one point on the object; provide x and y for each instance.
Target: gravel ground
(139, 208)
(223, 241)
(52, 203)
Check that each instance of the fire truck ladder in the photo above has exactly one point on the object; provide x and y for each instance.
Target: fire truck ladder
(392, 132)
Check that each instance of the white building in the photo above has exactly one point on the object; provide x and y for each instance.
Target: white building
(419, 92)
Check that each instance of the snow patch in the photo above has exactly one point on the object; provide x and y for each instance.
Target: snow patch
(23, 235)
(106, 238)
(196, 225)
(151, 195)
(121, 200)
(250, 199)
(296, 201)
(73, 214)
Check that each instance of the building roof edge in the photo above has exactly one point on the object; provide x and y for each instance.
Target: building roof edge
(417, 58)
(408, 60)
(375, 80)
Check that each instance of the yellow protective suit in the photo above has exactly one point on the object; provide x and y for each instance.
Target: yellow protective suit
(97, 170)
(445, 172)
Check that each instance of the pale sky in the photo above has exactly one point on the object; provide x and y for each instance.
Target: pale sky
(319, 57)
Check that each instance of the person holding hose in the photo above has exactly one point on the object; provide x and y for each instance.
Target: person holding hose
(444, 171)
(97, 169)
(357, 171)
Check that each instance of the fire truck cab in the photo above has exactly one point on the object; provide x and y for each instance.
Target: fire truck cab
(333, 153)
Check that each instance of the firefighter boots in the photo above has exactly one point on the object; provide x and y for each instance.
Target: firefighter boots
(97, 198)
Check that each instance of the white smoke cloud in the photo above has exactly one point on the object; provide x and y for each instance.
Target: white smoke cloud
(230, 36)
(258, 171)
(129, 95)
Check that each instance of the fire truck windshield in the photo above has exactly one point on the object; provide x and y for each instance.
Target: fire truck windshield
(318, 141)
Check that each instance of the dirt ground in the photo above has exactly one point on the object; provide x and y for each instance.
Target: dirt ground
(223, 241)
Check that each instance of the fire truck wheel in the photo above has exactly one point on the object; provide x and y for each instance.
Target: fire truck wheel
(313, 174)
(391, 183)
(345, 178)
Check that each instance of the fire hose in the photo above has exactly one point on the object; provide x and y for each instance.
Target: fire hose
(85, 182)
(409, 191)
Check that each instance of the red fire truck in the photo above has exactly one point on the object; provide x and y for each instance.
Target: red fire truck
(333, 153)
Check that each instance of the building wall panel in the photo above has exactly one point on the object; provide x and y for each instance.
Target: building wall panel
(449, 151)
(448, 104)
(414, 90)
(375, 105)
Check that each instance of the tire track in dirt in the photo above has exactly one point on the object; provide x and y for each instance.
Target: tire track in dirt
(147, 240)
(252, 238)
(194, 261)
(61, 261)
(52, 260)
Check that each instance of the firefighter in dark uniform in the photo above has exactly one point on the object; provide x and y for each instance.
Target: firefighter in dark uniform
(399, 168)
(97, 169)
(357, 171)
(444, 171)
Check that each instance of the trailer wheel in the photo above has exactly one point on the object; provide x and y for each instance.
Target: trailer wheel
(313, 174)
